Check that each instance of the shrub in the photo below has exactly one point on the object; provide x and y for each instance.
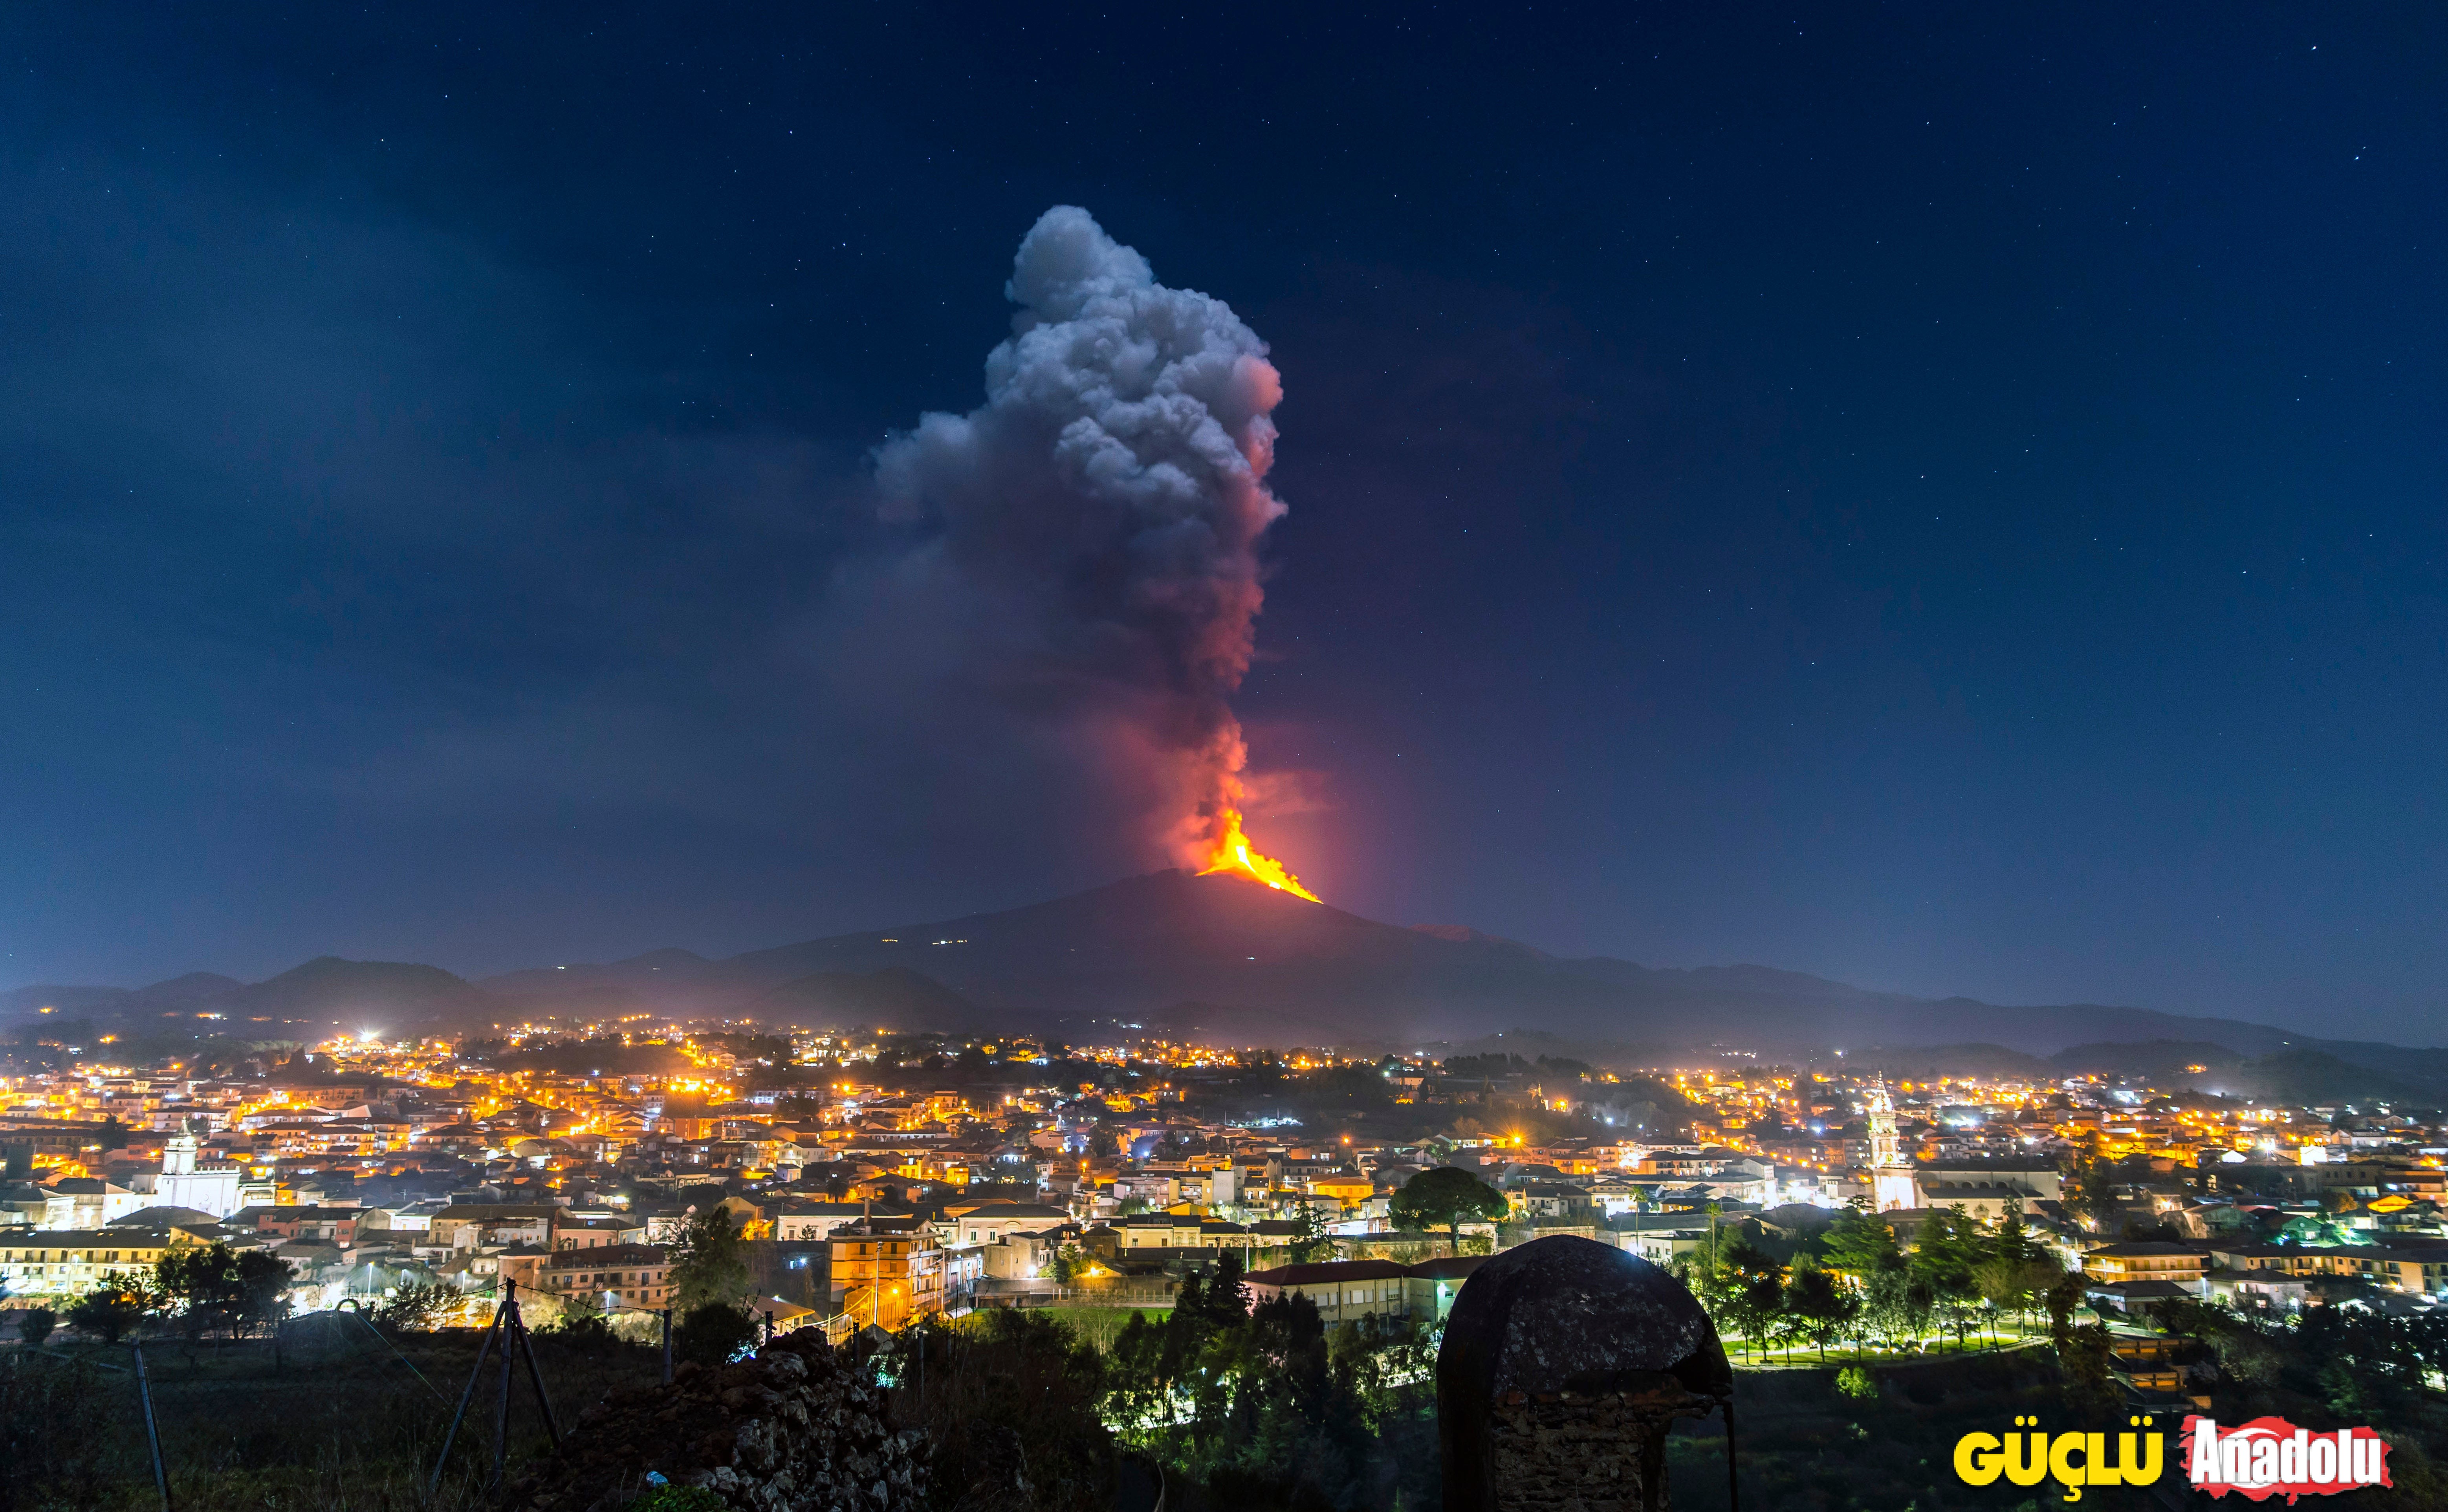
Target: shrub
(711, 1334)
(418, 1304)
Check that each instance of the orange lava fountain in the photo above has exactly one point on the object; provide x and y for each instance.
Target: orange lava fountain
(1231, 852)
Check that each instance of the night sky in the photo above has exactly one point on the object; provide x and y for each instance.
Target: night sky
(1948, 506)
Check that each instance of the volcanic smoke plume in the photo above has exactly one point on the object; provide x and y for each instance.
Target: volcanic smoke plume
(1108, 499)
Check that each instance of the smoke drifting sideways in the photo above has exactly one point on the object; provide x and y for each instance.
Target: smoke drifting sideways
(1083, 546)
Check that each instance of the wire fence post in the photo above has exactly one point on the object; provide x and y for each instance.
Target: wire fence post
(667, 1346)
(152, 1434)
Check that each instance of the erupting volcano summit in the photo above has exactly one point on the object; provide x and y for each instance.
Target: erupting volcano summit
(1095, 526)
(1231, 853)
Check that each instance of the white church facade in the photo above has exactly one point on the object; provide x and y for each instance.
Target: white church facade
(184, 1183)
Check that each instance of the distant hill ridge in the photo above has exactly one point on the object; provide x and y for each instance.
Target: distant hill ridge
(1231, 960)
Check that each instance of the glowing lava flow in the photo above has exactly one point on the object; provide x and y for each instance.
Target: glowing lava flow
(1231, 852)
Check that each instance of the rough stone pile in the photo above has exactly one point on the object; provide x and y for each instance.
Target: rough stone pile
(794, 1430)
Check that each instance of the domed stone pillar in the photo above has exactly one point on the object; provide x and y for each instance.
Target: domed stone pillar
(1564, 1363)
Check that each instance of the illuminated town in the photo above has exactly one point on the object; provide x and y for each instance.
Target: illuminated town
(878, 1178)
(1548, 759)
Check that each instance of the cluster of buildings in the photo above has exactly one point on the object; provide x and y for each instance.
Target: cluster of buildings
(2150, 1192)
(873, 1186)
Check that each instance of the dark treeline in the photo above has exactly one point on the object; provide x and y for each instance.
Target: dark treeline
(1242, 1407)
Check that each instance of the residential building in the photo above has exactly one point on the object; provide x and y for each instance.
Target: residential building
(1342, 1290)
(1936, 1179)
(596, 1230)
(991, 1222)
(336, 1226)
(2122, 1263)
(70, 1262)
(1348, 1291)
(813, 1222)
(886, 1276)
(613, 1276)
(466, 1225)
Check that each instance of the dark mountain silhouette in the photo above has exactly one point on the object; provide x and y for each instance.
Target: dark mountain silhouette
(328, 992)
(25, 1002)
(194, 990)
(1247, 964)
(1243, 963)
(893, 998)
(2162, 1059)
(179, 994)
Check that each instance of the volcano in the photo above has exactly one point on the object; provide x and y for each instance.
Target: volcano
(1227, 960)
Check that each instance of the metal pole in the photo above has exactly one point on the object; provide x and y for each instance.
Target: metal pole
(502, 1407)
(434, 1487)
(667, 1346)
(152, 1435)
(535, 1375)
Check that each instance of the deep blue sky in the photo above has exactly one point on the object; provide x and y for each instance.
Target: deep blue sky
(1949, 505)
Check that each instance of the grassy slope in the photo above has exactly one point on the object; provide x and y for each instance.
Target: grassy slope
(338, 1421)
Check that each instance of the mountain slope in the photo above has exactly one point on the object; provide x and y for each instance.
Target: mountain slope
(893, 998)
(1237, 962)
(328, 992)
(1259, 965)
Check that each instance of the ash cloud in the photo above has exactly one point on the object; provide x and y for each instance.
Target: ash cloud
(1082, 547)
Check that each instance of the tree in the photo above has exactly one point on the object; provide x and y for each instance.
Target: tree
(1267, 1407)
(1859, 1240)
(2012, 1241)
(1946, 1248)
(2084, 1359)
(1228, 1300)
(117, 1303)
(34, 1325)
(709, 1263)
(219, 1290)
(1311, 1236)
(2061, 1300)
(1446, 1199)
(581, 1323)
(711, 1334)
(264, 1280)
(417, 1304)
(1896, 1303)
(2008, 1285)
(1749, 1285)
(1944, 1253)
(1817, 1307)
(201, 1281)
(2086, 1183)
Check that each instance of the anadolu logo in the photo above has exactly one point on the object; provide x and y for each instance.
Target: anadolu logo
(2074, 1460)
(2270, 1457)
